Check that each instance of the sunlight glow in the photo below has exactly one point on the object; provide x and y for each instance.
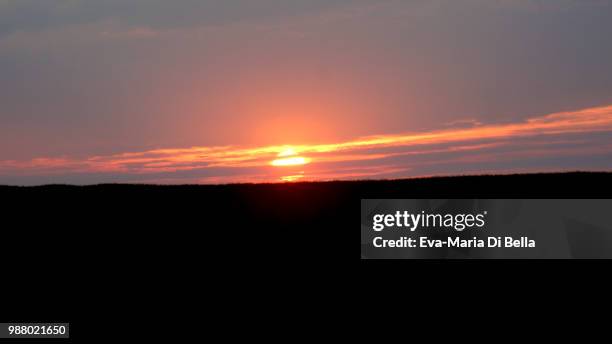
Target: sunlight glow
(288, 157)
(287, 152)
(293, 178)
(292, 161)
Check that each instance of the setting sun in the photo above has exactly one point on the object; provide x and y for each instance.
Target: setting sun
(293, 161)
(288, 157)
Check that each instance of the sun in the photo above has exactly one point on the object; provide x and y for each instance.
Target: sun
(298, 160)
(288, 157)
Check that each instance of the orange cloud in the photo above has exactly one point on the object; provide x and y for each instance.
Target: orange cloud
(453, 140)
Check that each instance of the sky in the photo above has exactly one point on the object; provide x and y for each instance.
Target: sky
(185, 91)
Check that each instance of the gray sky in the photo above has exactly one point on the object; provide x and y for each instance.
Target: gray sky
(83, 78)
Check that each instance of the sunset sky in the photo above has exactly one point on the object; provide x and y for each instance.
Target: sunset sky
(186, 91)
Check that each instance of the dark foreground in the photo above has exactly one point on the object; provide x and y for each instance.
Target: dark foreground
(136, 254)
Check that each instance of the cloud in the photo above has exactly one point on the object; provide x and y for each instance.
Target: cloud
(553, 136)
(35, 15)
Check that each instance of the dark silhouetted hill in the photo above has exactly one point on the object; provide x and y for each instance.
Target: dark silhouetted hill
(131, 251)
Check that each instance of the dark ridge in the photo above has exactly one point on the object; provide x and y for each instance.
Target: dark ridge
(131, 251)
(537, 185)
